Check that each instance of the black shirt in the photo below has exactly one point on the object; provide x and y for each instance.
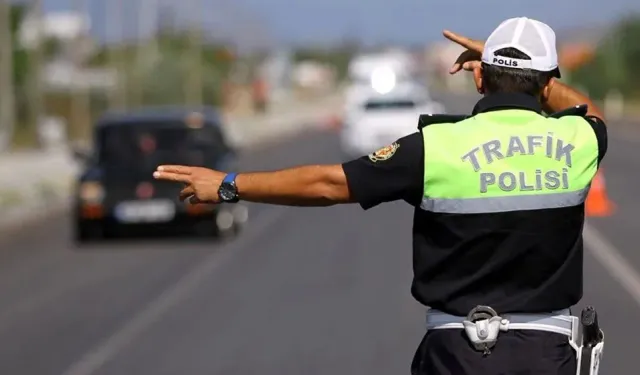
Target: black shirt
(521, 261)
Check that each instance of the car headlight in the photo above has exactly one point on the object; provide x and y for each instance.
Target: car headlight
(383, 80)
(91, 192)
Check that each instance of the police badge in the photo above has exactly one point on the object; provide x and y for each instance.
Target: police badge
(384, 153)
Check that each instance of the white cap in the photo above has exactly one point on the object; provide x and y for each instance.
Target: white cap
(533, 38)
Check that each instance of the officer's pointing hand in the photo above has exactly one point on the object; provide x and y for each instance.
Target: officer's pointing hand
(469, 59)
(201, 183)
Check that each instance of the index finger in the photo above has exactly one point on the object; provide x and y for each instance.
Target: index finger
(464, 41)
(170, 176)
(180, 169)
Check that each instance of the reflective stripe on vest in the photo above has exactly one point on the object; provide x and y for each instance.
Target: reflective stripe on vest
(508, 160)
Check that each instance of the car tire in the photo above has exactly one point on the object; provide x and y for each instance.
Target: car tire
(87, 233)
(208, 229)
(225, 225)
(240, 217)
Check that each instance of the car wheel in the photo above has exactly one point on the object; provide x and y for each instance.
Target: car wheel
(85, 233)
(204, 229)
(210, 228)
(240, 217)
(225, 224)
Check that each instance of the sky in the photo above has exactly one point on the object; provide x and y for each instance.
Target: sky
(371, 21)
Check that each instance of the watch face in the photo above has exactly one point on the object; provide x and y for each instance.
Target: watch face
(227, 192)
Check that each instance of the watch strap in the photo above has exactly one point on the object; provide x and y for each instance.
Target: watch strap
(230, 182)
(230, 178)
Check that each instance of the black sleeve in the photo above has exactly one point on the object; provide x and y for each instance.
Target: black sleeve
(394, 172)
(600, 129)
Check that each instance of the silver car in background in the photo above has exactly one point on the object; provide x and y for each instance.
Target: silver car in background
(373, 119)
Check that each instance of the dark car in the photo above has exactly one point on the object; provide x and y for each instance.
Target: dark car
(116, 192)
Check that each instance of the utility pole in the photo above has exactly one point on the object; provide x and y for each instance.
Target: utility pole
(35, 92)
(81, 98)
(7, 93)
(193, 88)
(117, 54)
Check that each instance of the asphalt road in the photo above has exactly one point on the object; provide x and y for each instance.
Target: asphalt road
(302, 291)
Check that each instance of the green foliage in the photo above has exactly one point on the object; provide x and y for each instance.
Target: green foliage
(162, 79)
(22, 71)
(164, 83)
(159, 78)
(337, 57)
(20, 55)
(615, 63)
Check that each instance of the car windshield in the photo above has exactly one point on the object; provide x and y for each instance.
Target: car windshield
(138, 148)
(378, 105)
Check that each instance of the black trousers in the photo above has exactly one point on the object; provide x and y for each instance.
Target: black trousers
(449, 352)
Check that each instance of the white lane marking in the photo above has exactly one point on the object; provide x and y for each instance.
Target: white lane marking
(611, 258)
(107, 349)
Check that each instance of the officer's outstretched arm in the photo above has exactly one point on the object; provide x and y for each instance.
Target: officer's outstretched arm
(392, 173)
(560, 96)
(309, 185)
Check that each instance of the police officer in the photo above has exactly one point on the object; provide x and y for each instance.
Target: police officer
(499, 207)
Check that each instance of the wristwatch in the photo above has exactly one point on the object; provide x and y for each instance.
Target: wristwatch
(228, 191)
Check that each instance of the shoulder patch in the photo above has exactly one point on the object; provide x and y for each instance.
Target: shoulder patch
(384, 153)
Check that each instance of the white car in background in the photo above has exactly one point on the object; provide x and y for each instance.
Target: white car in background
(376, 118)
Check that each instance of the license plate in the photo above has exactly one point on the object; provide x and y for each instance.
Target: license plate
(154, 211)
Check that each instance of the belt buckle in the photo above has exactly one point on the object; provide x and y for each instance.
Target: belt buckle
(483, 336)
(481, 312)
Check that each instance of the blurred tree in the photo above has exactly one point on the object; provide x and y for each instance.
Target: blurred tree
(162, 82)
(52, 47)
(615, 61)
(20, 55)
(24, 134)
(22, 65)
(338, 57)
